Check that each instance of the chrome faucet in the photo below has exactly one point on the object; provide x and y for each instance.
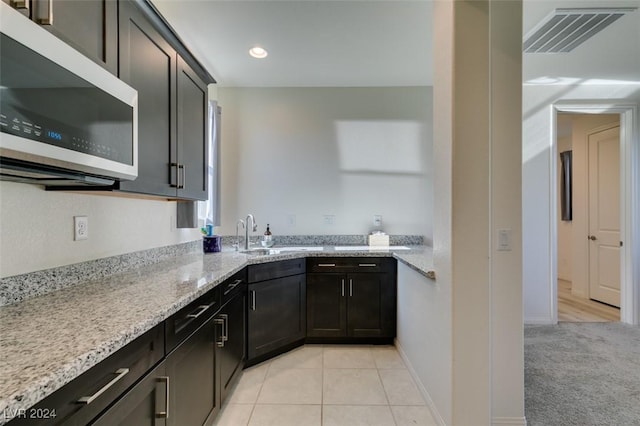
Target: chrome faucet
(254, 228)
(237, 244)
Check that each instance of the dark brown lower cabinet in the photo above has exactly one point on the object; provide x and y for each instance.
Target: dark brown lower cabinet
(355, 299)
(191, 371)
(326, 305)
(276, 316)
(146, 404)
(371, 305)
(230, 354)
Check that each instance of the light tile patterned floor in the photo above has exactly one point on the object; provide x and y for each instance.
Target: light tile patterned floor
(328, 385)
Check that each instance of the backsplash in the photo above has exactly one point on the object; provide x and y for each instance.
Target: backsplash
(328, 240)
(19, 287)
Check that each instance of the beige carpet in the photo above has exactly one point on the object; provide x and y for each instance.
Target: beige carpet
(582, 374)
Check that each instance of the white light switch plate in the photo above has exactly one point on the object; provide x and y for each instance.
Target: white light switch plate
(504, 239)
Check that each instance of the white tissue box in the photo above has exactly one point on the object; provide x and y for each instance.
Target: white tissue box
(378, 240)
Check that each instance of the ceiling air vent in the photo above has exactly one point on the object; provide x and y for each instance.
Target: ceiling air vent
(565, 29)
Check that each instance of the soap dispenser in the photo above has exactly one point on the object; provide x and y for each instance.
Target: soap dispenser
(267, 238)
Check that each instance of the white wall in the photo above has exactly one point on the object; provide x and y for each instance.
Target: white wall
(424, 335)
(36, 227)
(477, 127)
(536, 184)
(565, 236)
(309, 152)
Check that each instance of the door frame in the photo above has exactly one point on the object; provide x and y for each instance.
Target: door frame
(629, 200)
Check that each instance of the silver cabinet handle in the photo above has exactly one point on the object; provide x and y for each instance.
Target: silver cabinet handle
(201, 310)
(350, 287)
(177, 184)
(49, 19)
(327, 265)
(343, 287)
(367, 265)
(164, 414)
(235, 284)
(22, 6)
(225, 319)
(184, 175)
(120, 373)
(253, 300)
(220, 321)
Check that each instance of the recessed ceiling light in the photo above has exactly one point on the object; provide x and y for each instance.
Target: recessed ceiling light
(258, 52)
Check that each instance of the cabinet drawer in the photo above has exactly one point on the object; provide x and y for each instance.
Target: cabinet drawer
(181, 324)
(270, 271)
(82, 399)
(351, 264)
(231, 286)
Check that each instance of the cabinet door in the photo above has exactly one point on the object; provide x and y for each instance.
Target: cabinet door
(231, 356)
(191, 369)
(276, 314)
(192, 134)
(143, 405)
(148, 64)
(372, 305)
(326, 305)
(90, 26)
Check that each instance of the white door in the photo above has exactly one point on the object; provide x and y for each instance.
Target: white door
(604, 216)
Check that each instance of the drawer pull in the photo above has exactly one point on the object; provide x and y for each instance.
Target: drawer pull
(235, 284)
(121, 372)
(201, 310)
(367, 265)
(327, 265)
(165, 414)
(343, 287)
(350, 288)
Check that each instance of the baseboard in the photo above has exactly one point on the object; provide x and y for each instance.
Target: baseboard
(539, 321)
(509, 421)
(430, 404)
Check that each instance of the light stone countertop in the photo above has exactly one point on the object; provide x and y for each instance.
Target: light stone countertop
(47, 341)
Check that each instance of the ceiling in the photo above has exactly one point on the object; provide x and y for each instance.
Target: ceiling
(333, 43)
(611, 56)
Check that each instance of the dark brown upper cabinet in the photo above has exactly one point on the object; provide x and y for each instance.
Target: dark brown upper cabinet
(148, 64)
(172, 112)
(90, 26)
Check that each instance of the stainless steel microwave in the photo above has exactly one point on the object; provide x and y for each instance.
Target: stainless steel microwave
(63, 118)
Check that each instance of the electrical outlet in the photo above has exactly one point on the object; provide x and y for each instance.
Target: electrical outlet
(329, 219)
(81, 228)
(291, 220)
(377, 220)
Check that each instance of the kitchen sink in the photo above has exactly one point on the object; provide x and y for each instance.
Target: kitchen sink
(278, 250)
(259, 251)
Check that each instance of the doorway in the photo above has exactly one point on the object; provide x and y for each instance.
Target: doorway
(593, 268)
(588, 285)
